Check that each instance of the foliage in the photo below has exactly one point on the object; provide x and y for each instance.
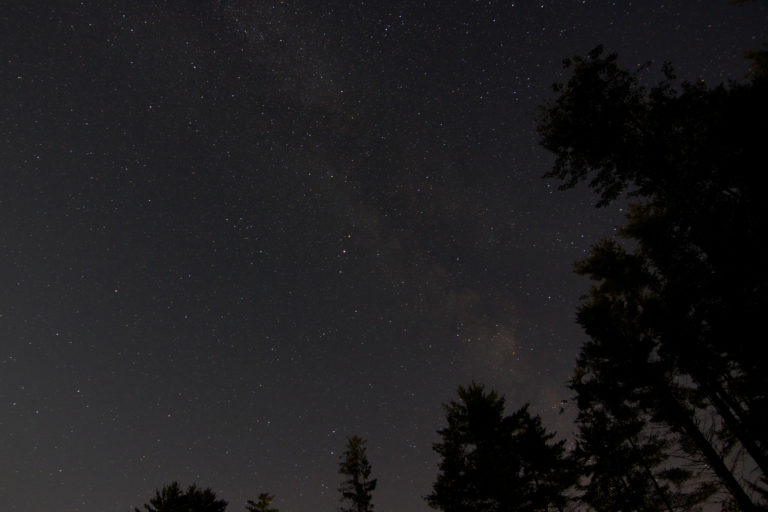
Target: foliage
(623, 457)
(263, 505)
(672, 317)
(171, 499)
(490, 462)
(358, 487)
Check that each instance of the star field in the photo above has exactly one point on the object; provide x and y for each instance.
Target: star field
(236, 232)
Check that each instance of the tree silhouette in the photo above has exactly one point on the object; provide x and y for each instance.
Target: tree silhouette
(544, 467)
(624, 458)
(171, 499)
(676, 312)
(490, 462)
(358, 487)
(262, 505)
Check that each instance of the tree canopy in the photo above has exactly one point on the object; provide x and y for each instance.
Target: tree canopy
(263, 504)
(172, 499)
(673, 315)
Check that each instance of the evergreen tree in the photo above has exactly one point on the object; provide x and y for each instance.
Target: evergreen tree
(357, 489)
(674, 317)
(490, 462)
(544, 467)
(262, 505)
(171, 499)
(624, 458)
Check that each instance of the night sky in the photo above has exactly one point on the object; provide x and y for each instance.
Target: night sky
(235, 232)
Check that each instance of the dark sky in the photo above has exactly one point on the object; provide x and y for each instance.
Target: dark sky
(234, 232)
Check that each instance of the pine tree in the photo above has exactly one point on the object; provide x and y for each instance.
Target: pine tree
(357, 489)
(262, 505)
(171, 499)
(490, 462)
(674, 311)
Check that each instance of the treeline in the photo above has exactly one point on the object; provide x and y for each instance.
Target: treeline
(671, 384)
(355, 491)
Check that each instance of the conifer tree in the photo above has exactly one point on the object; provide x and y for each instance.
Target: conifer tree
(357, 488)
(262, 505)
(675, 309)
(171, 499)
(490, 462)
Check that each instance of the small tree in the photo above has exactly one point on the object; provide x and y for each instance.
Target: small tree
(356, 490)
(172, 499)
(265, 499)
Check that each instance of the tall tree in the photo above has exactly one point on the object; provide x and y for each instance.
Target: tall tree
(678, 311)
(543, 466)
(171, 499)
(490, 462)
(357, 488)
(626, 460)
(262, 505)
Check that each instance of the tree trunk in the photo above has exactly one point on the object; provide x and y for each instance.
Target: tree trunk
(681, 418)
